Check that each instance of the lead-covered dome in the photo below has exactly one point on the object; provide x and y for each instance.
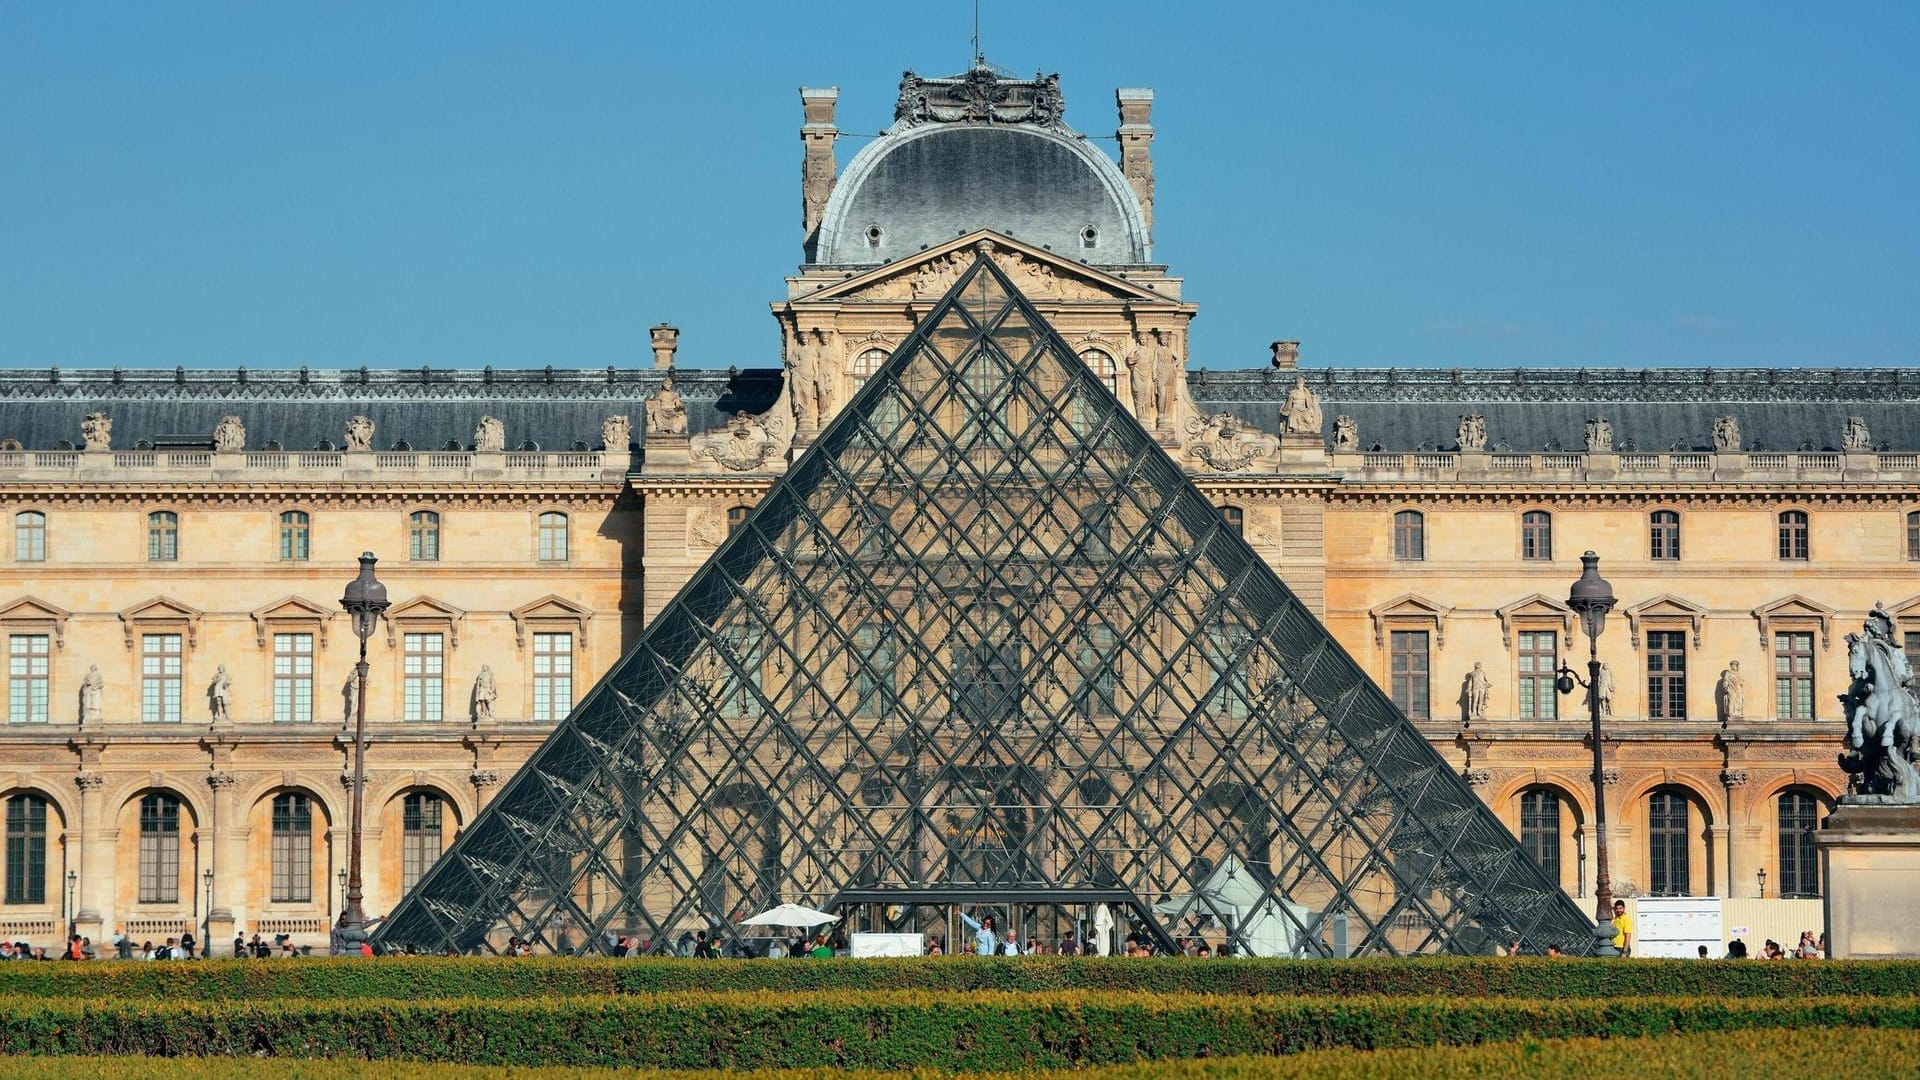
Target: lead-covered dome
(980, 151)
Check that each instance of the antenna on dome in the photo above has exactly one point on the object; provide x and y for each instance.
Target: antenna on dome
(979, 60)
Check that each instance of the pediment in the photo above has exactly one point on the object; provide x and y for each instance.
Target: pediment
(290, 609)
(1538, 607)
(1794, 608)
(425, 609)
(161, 609)
(1665, 606)
(32, 609)
(1409, 606)
(550, 608)
(1040, 274)
(1906, 609)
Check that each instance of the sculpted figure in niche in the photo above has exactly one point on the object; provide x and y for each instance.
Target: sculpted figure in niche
(1855, 435)
(809, 381)
(229, 435)
(1301, 413)
(666, 412)
(1732, 693)
(1602, 689)
(1479, 687)
(359, 435)
(351, 694)
(219, 694)
(97, 430)
(1726, 435)
(1599, 436)
(93, 690)
(745, 443)
(616, 432)
(1167, 373)
(490, 436)
(1472, 433)
(1140, 384)
(485, 693)
(1346, 434)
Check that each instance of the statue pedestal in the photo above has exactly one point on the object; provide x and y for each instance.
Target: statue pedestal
(1870, 866)
(1302, 450)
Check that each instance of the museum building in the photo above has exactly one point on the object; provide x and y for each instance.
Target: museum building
(178, 668)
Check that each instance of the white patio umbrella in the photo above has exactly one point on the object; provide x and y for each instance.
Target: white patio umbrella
(789, 915)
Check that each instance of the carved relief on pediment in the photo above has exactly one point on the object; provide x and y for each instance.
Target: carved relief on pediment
(1036, 278)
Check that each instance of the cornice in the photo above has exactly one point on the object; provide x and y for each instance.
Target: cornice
(513, 496)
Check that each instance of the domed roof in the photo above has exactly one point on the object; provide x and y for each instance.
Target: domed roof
(980, 152)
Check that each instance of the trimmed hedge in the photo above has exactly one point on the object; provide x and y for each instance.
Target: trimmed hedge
(1781, 1055)
(412, 979)
(987, 1030)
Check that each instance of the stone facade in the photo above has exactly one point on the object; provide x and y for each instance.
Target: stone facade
(525, 545)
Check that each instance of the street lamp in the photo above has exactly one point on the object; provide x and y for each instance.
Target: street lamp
(1763, 883)
(73, 885)
(343, 888)
(365, 601)
(1591, 599)
(206, 927)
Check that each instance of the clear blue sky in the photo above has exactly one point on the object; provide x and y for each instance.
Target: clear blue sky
(1393, 184)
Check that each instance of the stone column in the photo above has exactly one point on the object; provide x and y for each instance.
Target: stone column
(95, 897)
(817, 173)
(1136, 145)
(229, 864)
(485, 783)
(1738, 854)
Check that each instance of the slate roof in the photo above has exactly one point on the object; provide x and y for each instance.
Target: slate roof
(1530, 409)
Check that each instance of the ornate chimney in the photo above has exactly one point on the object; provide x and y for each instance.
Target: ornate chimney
(817, 135)
(666, 340)
(1136, 145)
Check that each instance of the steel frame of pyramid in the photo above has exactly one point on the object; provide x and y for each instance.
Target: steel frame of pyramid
(987, 643)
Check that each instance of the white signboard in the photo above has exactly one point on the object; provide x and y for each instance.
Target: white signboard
(1676, 926)
(887, 944)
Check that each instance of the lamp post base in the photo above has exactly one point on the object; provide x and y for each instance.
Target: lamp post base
(1603, 939)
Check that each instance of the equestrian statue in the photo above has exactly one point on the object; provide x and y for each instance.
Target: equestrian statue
(1883, 717)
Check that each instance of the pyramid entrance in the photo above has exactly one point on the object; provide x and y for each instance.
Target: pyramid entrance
(985, 647)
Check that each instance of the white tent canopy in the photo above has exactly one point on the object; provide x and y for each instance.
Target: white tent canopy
(789, 915)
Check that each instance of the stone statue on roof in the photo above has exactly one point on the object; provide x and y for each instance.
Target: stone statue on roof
(1346, 434)
(1599, 436)
(490, 436)
(616, 433)
(359, 435)
(1855, 436)
(1726, 435)
(1301, 413)
(1472, 432)
(666, 411)
(97, 430)
(229, 435)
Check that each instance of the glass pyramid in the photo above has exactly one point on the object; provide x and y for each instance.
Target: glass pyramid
(986, 648)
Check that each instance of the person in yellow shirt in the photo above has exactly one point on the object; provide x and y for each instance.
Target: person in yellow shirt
(1622, 928)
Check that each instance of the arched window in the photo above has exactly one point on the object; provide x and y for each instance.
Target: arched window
(1913, 536)
(736, 517)
(1235, 519)
(864, 365)
(1669, 833)
(1409, 536)
(293, 536)
(420, 816)
(1793, 535)
(292, 848)
(30, 536)
(159, 849)
(423, 536)
(1799, 862)
(1103, 367)
(1536, 535)
(553, 536)
(26, 849)
(1540, 829)
(1663, 535)
(163, 536)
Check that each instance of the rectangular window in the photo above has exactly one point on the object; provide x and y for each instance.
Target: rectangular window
(553, 537)
(28, 667)
(552, 676)
(424, 687)
(1911, 644)
(26, 850)
(160, 672)
(1409, 649)
(1539, 660)
(159, 850)
(1793, 676)
(30, 537)
(420, 825)
(292, 849)
(293, 678)
(1666, 675)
